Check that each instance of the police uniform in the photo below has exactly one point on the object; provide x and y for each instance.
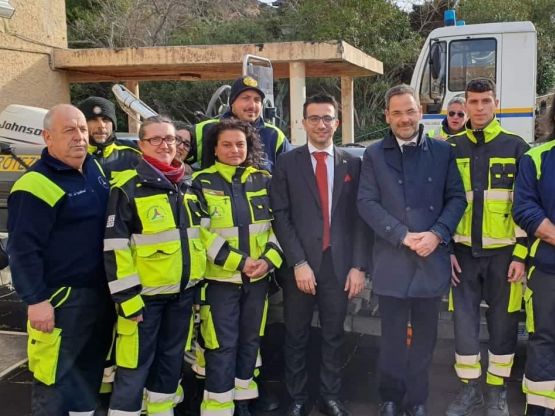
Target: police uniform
(486, 242)
(56, 227)
(233, 306)
(534, 200)
(154, 255)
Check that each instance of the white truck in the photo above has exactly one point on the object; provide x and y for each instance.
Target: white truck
(503, 52)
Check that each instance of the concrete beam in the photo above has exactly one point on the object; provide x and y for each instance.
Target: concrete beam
(211, 62)
(347, 111)
(132, 123)
(297, 97)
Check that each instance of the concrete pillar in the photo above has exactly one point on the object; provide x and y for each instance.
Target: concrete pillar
(132, 123)
(347, 111)
(297, 96)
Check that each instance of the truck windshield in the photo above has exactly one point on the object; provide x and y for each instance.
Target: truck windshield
(470, 59)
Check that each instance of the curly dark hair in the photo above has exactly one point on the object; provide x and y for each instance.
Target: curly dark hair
(255, 152)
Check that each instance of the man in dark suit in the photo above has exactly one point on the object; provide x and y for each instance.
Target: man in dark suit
(313, 197)
(411, 195)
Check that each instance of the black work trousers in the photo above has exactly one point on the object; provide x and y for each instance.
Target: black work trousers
(162, 336)
(403, 369)
(484, 278)
(237, 313)
(86, 318)
(540, 353)
(331, 300)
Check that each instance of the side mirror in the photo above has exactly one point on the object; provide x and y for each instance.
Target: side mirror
(435, 60)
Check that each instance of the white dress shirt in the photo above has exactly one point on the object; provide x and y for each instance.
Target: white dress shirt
(403, 142)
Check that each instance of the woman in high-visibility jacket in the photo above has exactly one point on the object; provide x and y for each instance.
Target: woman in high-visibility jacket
(154, 255)
(242, 250)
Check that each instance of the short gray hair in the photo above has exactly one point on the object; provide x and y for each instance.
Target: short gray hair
(400, 89)
(49, 116)
(457, 100)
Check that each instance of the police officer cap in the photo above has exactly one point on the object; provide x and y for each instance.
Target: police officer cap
(243, 84)
(98, 107)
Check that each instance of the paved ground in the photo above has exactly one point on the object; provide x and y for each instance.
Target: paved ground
(360, 390)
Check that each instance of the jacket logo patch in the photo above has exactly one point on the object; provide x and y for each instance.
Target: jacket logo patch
(347, 178)
(155, 214)
(216, 212)
(110, 221)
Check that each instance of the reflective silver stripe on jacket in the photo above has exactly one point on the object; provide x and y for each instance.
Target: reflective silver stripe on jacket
(116, 244)
(161, 290)
(151, 239)
(125, 283)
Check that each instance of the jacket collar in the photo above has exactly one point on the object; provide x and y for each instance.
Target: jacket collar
(390, 141)
(57, 164)
(228, 171)
(152, 176)
(485, 135)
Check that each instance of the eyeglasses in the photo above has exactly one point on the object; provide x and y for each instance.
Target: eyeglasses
(185, 144)
(315, 120)
(453, 113)
(157, 140)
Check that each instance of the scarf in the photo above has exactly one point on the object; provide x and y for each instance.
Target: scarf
(174, 171)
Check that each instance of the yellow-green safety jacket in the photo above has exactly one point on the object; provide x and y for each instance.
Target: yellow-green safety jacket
(238, 204)
(153, 244)
(273, 140)
(115, 155)
(487, 160)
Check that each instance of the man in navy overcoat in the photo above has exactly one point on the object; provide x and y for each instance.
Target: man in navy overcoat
(411, 195)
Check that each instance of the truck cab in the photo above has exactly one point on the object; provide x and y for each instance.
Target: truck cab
(503, 52)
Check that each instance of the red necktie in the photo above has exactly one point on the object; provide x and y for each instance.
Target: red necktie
(322, 182)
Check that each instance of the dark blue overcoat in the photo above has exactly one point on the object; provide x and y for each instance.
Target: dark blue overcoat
(416, 190)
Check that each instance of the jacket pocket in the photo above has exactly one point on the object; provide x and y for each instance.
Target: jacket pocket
(159, 264)
(498, 222)
(502, 175)
(197, 260)
(529, 306)
(127, 343)
(43, 350)
(220, 210)
(207, 328)
(515, 297)
(260, 208)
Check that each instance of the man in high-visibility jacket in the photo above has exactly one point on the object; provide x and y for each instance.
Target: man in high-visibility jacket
(489, 252)
(246, 101)
(534, 211)
(154, 255)
(454, 121)
(56, 227)
(113, 154)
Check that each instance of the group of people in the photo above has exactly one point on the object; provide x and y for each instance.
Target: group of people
(98, 222)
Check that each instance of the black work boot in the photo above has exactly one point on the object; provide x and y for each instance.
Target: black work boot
(470, 397)
(496, 402)
(242, 408)
(532, 410)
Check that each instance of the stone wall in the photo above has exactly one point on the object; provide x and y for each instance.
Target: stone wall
(26, 44)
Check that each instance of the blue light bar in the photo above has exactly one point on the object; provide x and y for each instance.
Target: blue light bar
(450, 17)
